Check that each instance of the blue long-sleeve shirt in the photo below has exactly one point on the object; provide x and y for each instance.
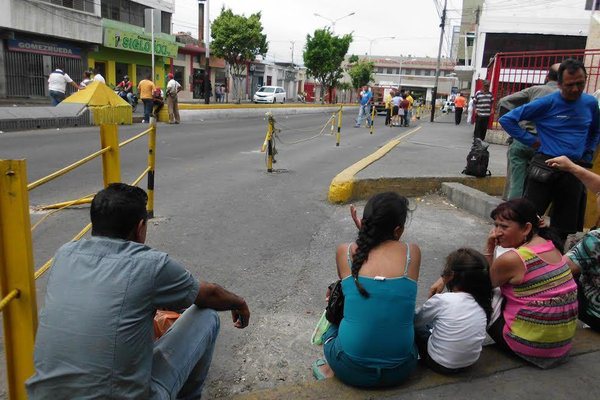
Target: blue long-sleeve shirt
(366, 97)
(569, 128)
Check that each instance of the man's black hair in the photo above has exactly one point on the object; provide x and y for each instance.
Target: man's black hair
(572, 65)
(117, 210)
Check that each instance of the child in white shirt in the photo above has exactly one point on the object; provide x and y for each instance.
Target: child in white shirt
(450, 327)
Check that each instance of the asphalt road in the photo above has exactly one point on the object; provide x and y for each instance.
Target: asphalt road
(269, 237)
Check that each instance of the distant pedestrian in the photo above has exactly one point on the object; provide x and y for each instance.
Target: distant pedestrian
(470, 109)
(57, 85)
(173, 87)
(403, 110)
(483, 106)
(364, 110)
(87, 79)
(158, 102)
(396, 109)
(459, 105)
(387, 99)
(409, 110)
(145, 89)
(98, 77)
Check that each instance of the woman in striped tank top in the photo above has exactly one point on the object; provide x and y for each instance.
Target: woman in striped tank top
(539, 315)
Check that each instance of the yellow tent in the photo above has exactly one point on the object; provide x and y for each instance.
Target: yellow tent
(107, 107)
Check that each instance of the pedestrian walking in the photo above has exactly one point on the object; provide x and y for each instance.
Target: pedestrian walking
(87, 79)
(567, 123)
(388, 107)
(518, 154)
(483, 100)
(459, 105)
(173, 87)
(409, 109)
(364, 110)
(57, 85)
(145, 89)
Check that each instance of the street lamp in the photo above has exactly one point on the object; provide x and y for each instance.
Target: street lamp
(371, 41)
(333, 21)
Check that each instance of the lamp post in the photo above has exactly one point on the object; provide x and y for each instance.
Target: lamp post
(371, 41)
(333, 21)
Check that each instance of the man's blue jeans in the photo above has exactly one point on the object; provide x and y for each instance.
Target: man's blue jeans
(148, 105)
(363, 113)
(182, 356)
(56, 97)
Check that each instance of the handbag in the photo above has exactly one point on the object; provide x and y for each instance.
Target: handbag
(539, 171)
(334, 312)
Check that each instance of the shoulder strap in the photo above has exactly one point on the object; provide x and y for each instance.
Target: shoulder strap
(407, 259)
(349, 256)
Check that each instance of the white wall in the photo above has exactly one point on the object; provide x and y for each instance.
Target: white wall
(46, 19)
(163, 5)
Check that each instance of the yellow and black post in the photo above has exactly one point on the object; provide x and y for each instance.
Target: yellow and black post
(151, 167)
(17, 284)
(339, 126)
(372, 119)
(268, 143)
(111, 164)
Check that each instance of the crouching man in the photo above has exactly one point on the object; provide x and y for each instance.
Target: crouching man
(95, 335)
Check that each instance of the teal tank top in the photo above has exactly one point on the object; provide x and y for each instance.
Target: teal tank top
(378, 331)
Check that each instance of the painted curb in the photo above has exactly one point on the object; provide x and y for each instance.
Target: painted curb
(341, 189)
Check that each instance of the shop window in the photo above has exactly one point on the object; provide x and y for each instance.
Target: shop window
(142, 72)
(100, 68)
(81, 5)
(165, 22)
(121, 70)
(110, 9)
(595, 4)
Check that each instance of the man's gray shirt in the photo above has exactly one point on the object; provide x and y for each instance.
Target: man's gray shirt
(525, 96)
(95, 333)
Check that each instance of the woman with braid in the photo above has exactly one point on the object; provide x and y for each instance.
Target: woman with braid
(374, 344)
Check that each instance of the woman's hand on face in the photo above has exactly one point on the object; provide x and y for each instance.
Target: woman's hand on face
(355, 218)
(436, 288)
(492, 242)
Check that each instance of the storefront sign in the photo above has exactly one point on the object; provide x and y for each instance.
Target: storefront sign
(36, 46)
(131, 41)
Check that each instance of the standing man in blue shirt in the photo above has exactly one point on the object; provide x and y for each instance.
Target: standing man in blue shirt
(364, 111)
(568, 123)
(95, 337)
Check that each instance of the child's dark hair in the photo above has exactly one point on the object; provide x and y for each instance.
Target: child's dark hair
(383, 213)
(469, 270)
(523, 211)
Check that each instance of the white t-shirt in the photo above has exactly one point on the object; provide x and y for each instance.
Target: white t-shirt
(99, 78)
(172, 87)
(58, 80)
(459, 328)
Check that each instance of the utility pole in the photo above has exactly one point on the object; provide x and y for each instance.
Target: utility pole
(439, 60)
(204, 33)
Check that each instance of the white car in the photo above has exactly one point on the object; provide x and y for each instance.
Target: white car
(269, 94)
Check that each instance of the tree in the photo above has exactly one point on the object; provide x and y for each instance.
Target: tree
(238, 40)
(323, 57)
(361, 73)
(353, 59)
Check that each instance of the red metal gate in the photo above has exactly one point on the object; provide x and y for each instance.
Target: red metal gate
(512, 72)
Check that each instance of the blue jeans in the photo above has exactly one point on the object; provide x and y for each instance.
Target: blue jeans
(407, 117)
(355, 374)
(56, 97)
(182, 356)
(148, 105)
(363, 113)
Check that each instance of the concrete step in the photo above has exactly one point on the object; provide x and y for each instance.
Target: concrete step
(470, 199)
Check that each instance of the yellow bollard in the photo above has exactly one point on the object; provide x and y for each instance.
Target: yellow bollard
(17, 285)
(339, 127)
(372, 119)
(111, 165)
(151, 167)
(332, 122)
(269, 140)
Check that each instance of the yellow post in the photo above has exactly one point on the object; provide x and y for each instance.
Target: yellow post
(16, 273)
(111, 166)
(372, 119)
(151, 166)
(339, 127)
(270, 144)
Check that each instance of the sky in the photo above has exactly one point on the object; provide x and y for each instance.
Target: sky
(414, 24)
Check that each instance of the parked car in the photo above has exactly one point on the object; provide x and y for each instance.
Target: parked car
(269, 94)
(448, 106)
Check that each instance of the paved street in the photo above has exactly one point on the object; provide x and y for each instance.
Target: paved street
(270, 237)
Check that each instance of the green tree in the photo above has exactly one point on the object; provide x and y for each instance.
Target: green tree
(323, 57)
(353, 59)
(237, 39)
(361, 73)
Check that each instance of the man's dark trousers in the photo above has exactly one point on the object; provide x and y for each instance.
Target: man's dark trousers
(481, 124)
(458, 115)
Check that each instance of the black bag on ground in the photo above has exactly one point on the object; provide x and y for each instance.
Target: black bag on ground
(478, 160)
(334, 312)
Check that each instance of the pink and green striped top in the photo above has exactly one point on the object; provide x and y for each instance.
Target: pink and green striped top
(541, 311)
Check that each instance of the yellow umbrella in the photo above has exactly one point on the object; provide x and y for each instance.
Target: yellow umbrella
(107, 106)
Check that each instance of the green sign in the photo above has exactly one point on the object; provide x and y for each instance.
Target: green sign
(131, 41)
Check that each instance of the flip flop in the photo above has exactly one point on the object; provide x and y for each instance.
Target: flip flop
(316, 371)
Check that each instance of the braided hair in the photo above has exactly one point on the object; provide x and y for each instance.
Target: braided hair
(383, 213)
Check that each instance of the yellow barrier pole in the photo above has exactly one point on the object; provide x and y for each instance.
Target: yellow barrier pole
(372, 119)
(16, 274)
(339, 127)
(151, 166)
(270, 144)
(111, 165)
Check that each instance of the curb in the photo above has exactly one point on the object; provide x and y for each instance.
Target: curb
(472, 200)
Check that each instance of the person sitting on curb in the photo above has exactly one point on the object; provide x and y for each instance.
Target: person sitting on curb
(584, 257)
(374, 346)
(157, 98)
(450, 327)
(95, 333)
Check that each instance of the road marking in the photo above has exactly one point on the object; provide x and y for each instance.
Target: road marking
(340, 189)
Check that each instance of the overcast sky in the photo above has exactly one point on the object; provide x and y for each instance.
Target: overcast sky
(413, 23)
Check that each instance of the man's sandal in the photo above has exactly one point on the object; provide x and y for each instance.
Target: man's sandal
(316, 371)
